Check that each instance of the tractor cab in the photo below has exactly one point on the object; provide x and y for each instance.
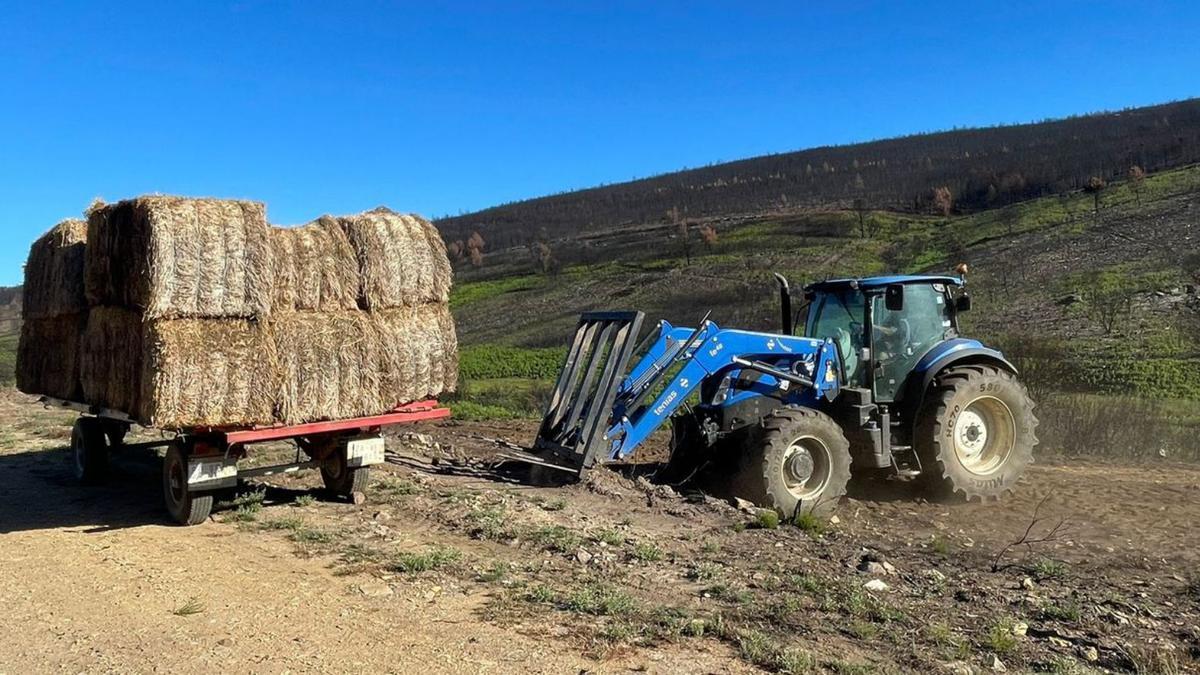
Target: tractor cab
(882, 326)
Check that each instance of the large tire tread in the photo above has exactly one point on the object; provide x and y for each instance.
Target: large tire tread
(942, 477)
(756, 481)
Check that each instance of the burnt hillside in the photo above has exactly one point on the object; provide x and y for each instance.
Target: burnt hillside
(983, 168)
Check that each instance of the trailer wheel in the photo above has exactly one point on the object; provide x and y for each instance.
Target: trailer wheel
(186, 506)
(115, 431)
(975, 433)
(89, 451)
(343, 480)
(798, 464)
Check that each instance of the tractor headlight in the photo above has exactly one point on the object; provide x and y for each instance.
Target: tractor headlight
(722, 392)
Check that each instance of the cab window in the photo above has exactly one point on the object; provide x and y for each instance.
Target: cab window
(900, 339)
(840, 316)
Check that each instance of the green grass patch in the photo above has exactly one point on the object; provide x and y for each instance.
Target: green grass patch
(556, 538)
(468, 292)
(489, 362)
(646, 552)
(600, 600)
(432, 558)
(1048, 568)
(8, 359)
(610, 537)
(1000, 637)
(192, 606)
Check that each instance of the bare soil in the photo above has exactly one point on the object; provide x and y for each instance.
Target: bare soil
(452, 565)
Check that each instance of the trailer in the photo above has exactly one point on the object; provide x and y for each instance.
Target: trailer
(201, 461)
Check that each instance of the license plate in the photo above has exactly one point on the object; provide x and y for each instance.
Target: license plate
(364, 451)
(211, 473)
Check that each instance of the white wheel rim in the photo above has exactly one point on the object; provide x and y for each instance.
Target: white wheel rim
(984, 435)
(806, 467)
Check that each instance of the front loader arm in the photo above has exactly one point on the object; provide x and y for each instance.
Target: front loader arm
(595, 413)
(710, 351)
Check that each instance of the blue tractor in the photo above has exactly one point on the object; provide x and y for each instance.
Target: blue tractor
(870, 375)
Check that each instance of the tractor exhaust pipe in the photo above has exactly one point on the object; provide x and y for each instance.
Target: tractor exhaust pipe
(785, 303)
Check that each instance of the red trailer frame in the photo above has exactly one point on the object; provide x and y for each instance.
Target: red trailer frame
(201, 460)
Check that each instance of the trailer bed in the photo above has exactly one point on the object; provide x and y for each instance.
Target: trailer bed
(202, 460)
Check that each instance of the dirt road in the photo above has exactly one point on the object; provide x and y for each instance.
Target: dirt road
(95, 580)
(611, 576)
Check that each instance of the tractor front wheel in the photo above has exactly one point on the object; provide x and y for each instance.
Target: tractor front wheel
(975, 433)
(798, 463)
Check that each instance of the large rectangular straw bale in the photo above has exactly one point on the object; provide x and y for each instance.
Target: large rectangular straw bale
(208, 372)
(110, 365)
(315, 267)
(172, 257)
(349, 364)
(54, 273)
(48, 354)
(179, 373)
(402, 259)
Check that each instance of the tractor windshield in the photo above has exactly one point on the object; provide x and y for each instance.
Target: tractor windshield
(839, 315)
(901, 338)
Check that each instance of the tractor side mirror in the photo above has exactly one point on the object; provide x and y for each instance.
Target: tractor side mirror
(962, 303)
(893, 297)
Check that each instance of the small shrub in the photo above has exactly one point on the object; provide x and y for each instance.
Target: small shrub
(1047, 568)
(246, 506)
(557, 504)
(311, 535)
(304, 500)
(600, 601)
(863, 630)
(1067, 611)
(498, 571)
(811, 525)
(192, 606)
(433, 558)
(759, 649)
(541, 595)
(396, 487)
(488, 522)
(357, 554)
(728, 594)
(940, 545)
(766, 519)
(1000, 637)
(647, 553)
(610, 537)
(702, 571)
(951, 646)
(245, 513)
(806, 583)
(292, 523)
(556, 538)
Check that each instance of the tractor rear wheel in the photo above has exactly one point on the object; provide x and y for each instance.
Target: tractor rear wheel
(975, 433)
(797, 464)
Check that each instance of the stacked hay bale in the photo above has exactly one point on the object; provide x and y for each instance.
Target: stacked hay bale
(368, 324)
(179, 289)
(53, 313)
(200, 314)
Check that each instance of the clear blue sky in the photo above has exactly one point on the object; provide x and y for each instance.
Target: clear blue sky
(446, 107)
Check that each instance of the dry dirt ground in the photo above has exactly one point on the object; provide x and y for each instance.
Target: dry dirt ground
(452, 566)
